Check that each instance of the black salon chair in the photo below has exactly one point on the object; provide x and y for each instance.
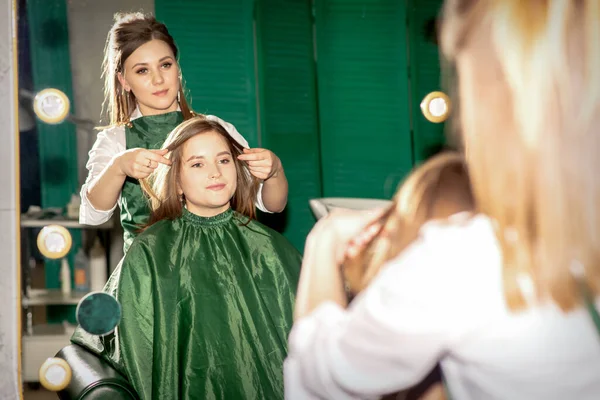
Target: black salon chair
(93, 378)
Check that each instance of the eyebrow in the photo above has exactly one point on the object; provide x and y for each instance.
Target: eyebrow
(202, 157)
(143, 63)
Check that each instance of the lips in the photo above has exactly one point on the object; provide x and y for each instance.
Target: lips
(217, 187)
(161, 93)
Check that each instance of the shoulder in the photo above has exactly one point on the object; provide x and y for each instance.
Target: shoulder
(112, 135)
(259, 230)
(146, 242)
(460, 244)
(454, 264)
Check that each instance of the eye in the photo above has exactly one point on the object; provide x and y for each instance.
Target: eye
(196, 165)
(167, 65)
(141, 71)
(225, 161)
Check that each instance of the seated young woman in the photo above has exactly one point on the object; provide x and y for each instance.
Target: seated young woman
(206, 291)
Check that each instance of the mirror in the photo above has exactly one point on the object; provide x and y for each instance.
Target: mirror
(436, 107)
(98, 313)
(279, 74)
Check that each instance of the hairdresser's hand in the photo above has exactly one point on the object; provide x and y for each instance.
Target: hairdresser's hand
(321, 276)
(139, 163)
(344, 232)
(262, 163)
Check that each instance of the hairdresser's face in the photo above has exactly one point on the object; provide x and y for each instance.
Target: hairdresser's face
(208, 174)
(152, 74)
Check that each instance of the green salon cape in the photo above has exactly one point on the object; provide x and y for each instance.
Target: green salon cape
(207, 307)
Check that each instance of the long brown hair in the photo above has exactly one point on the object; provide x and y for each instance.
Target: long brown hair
(130, 31)
(161, 186)
(437, 189)
(529, 86)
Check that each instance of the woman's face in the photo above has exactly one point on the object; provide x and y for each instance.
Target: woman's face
(208, 176)
(152, 74)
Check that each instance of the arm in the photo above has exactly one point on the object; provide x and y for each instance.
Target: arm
(275, 189)
(394, 332)
(109, 164)
(100, 165)
(273, 192)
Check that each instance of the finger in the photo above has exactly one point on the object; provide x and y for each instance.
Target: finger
(252, 156)
(260, 175)
(143, 169)
(253, 150)
(353, 251)
(157, 158)
(162, 152)
(259, 170)
(260, 163)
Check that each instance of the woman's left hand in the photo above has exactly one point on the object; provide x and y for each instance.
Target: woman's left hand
(262, 163)
(347, 230)
(326, 248)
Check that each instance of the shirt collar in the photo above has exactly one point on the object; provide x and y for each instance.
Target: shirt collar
(137, 113)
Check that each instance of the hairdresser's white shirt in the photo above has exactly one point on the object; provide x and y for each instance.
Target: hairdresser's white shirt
(442, 300)
(111, 142)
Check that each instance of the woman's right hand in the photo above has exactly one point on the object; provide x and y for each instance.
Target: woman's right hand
(138, 163)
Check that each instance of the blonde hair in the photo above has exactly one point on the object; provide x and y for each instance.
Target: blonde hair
(161, 185)
(529, 82)
(436, 190)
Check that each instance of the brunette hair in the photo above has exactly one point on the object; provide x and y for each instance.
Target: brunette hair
(129, 32)
(161, 186)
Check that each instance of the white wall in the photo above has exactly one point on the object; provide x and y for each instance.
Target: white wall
(9, 387)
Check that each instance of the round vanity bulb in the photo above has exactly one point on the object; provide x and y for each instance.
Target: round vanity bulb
(54, 241)
(55, 374)
(51, 106)
(436, 107)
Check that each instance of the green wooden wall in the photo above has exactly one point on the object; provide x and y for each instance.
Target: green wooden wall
(217, 56)
(363, 96)
(288, 106)
(424, 75)
(333, 87)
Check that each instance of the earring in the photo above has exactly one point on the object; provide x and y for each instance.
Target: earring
(125, 95)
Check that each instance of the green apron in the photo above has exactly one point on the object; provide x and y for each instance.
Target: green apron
(149, 132)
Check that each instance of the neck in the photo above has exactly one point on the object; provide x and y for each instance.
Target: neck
(146, 111)
(207, 212)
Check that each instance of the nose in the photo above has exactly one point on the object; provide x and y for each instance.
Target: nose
(215, 172)
(157, 78)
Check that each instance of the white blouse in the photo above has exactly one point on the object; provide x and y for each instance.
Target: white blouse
(111, 142)
(442, 300)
